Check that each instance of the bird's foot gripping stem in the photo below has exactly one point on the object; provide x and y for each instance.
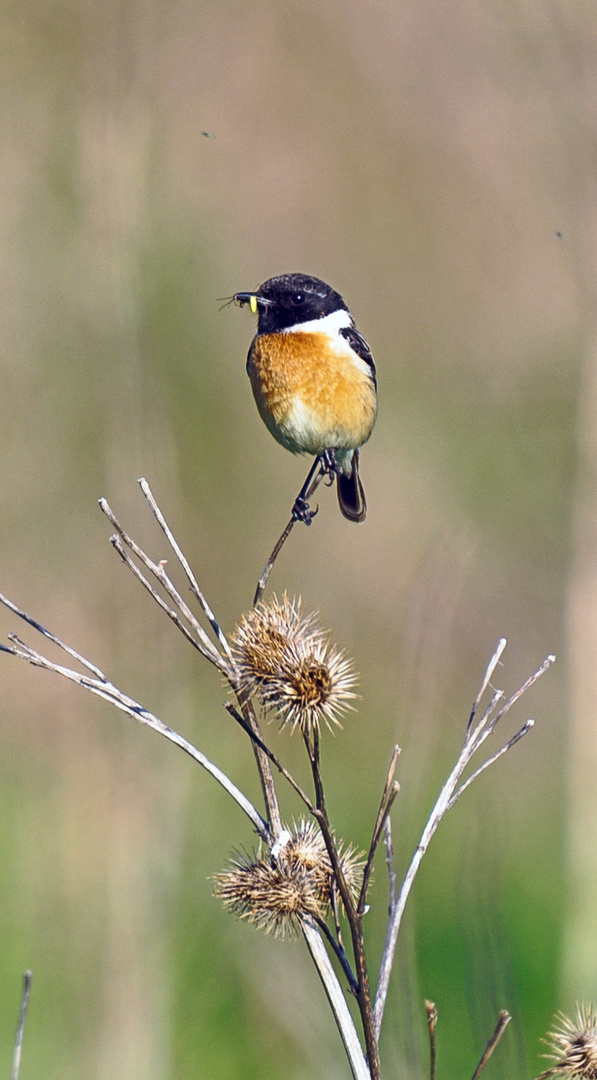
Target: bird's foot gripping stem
(329, 466)
(301, 511)
(324, 466)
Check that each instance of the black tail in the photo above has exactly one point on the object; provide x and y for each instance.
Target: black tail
(350, 493)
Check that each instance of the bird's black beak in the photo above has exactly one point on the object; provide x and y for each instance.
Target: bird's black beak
(250, 298)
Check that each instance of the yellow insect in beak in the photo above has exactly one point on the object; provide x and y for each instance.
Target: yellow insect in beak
(253, 304)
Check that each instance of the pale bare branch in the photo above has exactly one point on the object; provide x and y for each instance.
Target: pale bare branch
(145, 488)
(202, 642)
(16, 1061)
(474, 739)
(104, 689)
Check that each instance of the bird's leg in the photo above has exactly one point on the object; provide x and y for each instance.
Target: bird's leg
(330, 466)
(301, 511)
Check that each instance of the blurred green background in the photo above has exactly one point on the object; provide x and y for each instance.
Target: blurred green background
(437, 164)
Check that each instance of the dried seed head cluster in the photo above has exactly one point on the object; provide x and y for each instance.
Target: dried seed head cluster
(288, 663)
(275, 893)
(573, 1044)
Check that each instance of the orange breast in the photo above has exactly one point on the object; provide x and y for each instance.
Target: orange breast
(311, 392)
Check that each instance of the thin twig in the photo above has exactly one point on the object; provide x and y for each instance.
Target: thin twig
(203, 644)
(268, 786)
(16, 1061)
(335, 906)
(532, 679)
(387, 835)
(503, 1021)
(493, 663)
(244, 724)
(431, 1011)
(311, 489)
(108, 692)
(389, 793)
(474, 738)
(198, 637)
(490, 761)
(261, 584)
(209, 653)
(145, 488)
(51, 637)
(341, 955)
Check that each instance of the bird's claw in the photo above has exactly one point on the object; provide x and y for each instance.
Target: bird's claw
(301, 511)
(330, 465)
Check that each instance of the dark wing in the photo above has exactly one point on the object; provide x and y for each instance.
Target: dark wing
(250, 355)
(359, 345)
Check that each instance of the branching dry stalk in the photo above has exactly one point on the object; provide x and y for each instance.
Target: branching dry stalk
(476, 734)
(211, 642)
(189, 625)
(103, 688)
(220, 655)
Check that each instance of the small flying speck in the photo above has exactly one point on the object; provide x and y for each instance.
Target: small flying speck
(208, 134)
(558, 234)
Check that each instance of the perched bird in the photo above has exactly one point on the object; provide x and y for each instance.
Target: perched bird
(313, 379)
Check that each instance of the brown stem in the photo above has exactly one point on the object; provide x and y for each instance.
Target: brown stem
(390, 792)
(263, 765)
(503, 1021)
(431, 1024)
(355, 918)
(314, 478)
(245, 725)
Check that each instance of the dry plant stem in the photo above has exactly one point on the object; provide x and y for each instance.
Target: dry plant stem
(336, 943)
(183, 618)
(97, 683)
(431, 1024)
(335, 906)
(493, 663)
(205, 648)
(16, 1061)
(201, 642)
(339, 951)
(354, 917)
(390, 792)
(103, 688)
(338, 1004)
(230, 708)
(263, 767)
(502, 1024)
(145, 488)
(387, 836)
(476, 734)
(507, 746)
(311, 489)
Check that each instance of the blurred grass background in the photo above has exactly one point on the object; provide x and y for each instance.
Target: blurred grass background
(436, 163)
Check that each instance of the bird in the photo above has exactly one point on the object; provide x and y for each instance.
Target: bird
(314, 381)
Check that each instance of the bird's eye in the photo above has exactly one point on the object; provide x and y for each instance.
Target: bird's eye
(297, 299)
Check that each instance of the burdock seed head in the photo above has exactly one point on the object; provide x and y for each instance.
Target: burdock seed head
(573, 1044)
(275, 893)
(272, 896)
(288, 663)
